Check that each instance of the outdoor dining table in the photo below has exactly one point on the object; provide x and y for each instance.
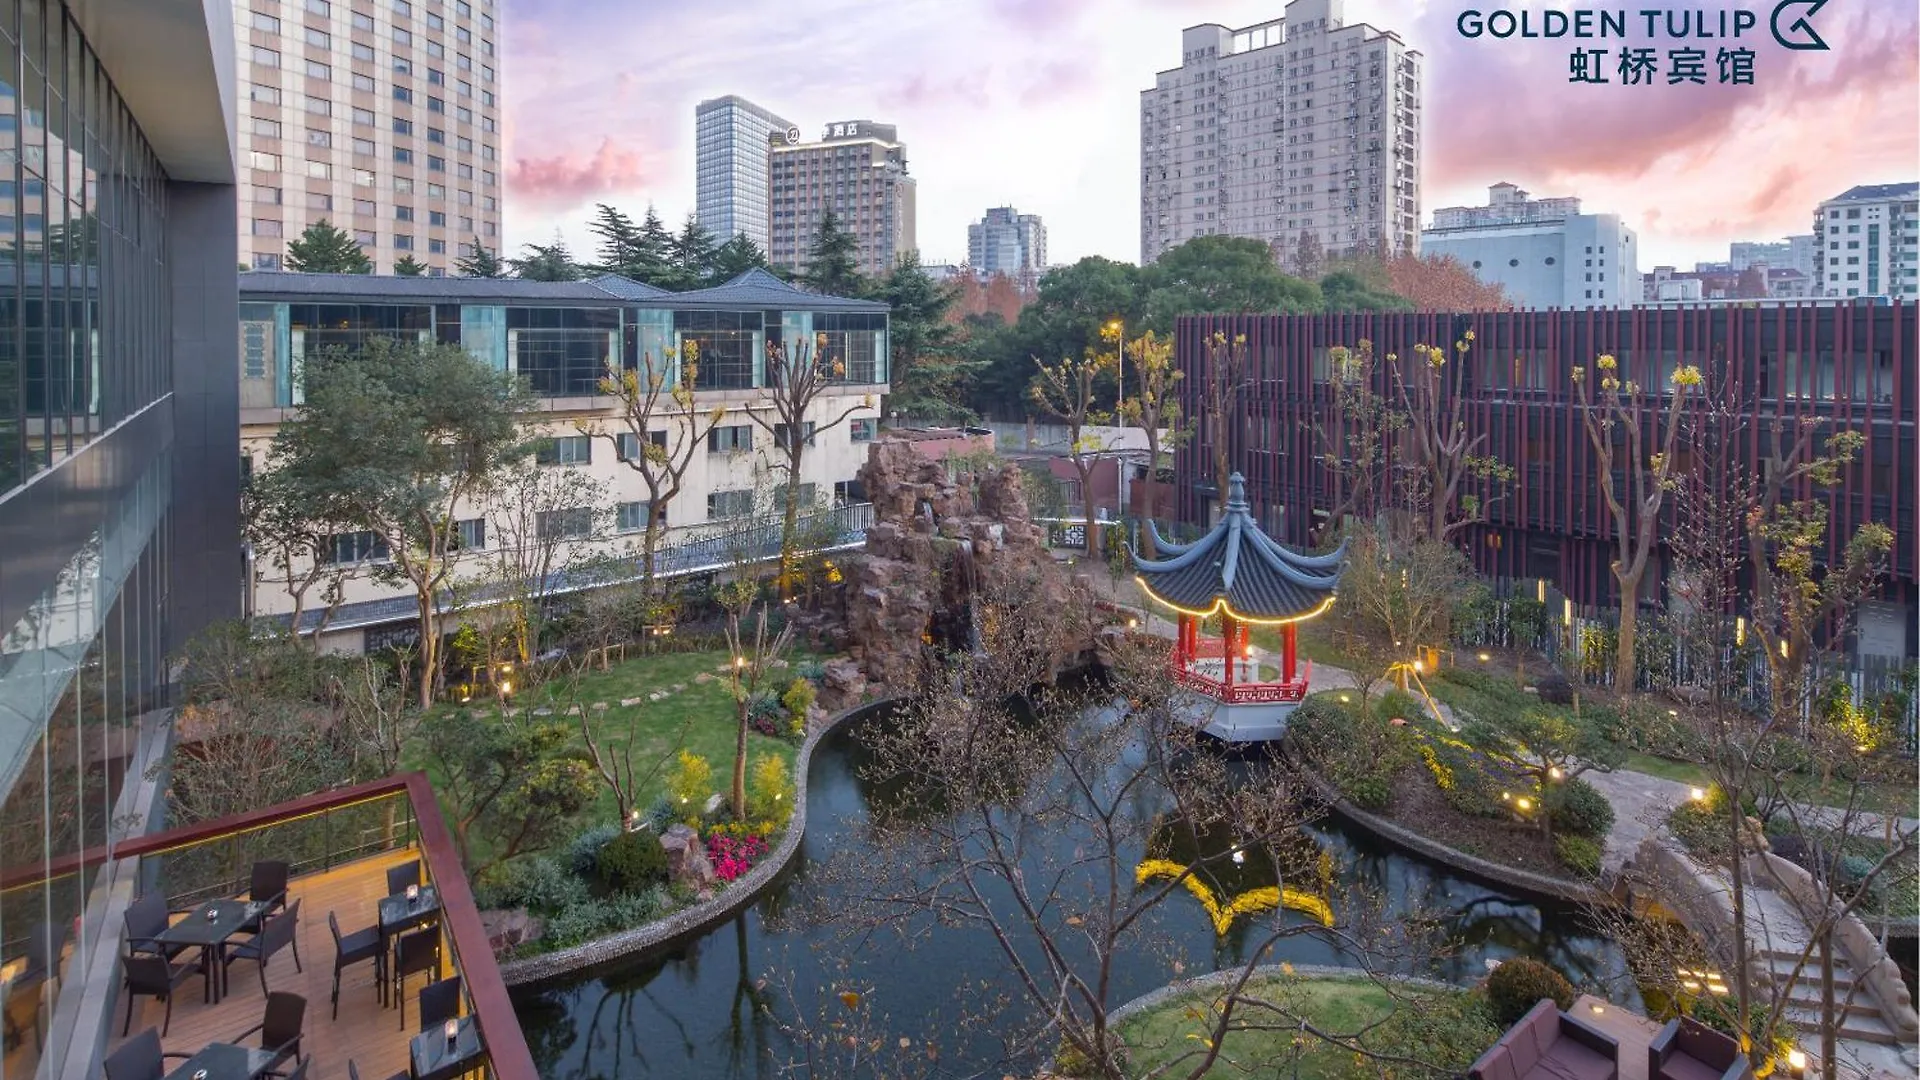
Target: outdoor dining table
(208, 927)
(435, 1057)
(224, 1061)
(398, 913)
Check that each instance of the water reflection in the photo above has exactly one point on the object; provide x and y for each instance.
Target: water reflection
(718, 1007)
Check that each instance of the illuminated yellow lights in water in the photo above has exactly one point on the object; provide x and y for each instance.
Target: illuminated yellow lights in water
(1248, 903)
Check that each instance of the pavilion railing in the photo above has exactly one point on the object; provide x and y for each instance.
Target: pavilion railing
(1241, 693)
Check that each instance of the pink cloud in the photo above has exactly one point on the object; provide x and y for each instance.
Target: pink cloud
(567, 179)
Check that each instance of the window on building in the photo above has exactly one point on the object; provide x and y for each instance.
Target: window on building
(571, 523)
(401, 93)
(564, 450)
(263, 22)
(629, 443)
(632, 516)
(863, 430)
(782, 438)
(733, 438)
(265, 57)
(363, 83)
(318, 70)
(729, 504)
(848, 492)
(355, 547)
(472, 534)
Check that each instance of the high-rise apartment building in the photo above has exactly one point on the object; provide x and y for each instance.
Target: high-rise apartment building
(731, 136)
(1008, 242)
(1868, 242)
(1793, 253)
(859, 171)
(1544, 253)
(381, 117)
(119, 478)
(1303, 127)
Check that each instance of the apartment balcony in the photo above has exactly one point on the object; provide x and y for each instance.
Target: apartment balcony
(338, 848)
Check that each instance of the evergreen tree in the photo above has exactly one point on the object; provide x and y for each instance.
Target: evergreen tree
(619, 241)
(482, 263)
(930, 377)
(327, 249)
(833, 262)
(654, 255)
(736, 257)
(693, 255)
(547, 262)
(408, 266)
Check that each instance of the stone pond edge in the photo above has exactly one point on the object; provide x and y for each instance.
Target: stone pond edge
(1529, 884)
(1153, 999)
(690, 921)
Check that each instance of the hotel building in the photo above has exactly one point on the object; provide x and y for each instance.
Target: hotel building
(858, 170)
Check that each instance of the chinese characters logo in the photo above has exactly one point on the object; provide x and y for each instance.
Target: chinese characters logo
(1688, 46)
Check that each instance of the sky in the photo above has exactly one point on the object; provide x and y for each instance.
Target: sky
(1035, 104)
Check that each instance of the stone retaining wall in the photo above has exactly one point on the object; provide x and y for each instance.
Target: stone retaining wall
(1525, 882)
(1155, 998)
(690, 921)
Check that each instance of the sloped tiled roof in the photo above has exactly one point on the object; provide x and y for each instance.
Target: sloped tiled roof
(758, 289)
(280, 284)
(1240, 569)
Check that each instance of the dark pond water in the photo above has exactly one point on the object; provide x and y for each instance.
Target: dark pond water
(695, 1014)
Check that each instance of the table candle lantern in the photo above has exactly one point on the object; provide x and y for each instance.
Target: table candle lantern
(413, 893)
(453, 1030)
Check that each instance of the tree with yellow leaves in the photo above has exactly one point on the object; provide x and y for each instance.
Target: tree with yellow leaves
(1065, 391)
(1457, 484)
(660, 428)
(798, 375)
(1155, 410)
(1617, 414)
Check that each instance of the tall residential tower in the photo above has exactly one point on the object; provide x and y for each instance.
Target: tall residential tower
(1302, 131)
(382, 118)
(1008, 242)
(859, 171)
(731, 135)
(1868, 242)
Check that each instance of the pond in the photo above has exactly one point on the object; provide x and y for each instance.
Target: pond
(693, 1014)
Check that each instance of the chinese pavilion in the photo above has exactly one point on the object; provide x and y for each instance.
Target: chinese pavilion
(1239, 574)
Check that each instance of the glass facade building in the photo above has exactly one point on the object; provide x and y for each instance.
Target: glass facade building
(118, 501)
(730, 167)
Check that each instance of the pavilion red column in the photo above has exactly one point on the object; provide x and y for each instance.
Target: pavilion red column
(1287, 647)
(1230, 635)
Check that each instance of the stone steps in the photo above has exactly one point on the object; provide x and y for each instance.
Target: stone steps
(1855, 1026)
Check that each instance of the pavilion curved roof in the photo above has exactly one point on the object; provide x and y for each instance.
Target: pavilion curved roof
(1239, 570)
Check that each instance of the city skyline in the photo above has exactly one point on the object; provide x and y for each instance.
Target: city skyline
(1023, 116)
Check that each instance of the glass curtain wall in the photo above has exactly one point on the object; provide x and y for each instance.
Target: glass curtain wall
(84, 349)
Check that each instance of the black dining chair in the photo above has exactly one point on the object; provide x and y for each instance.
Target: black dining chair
(266, 885)
(415, 953)
(139, 1058)
(154, 977)
(279, 1027)
(353, 1072)
(275, 934)
(439, 1003)
(299, 1071)
(354, 948)
(399, 877)
(146, 919)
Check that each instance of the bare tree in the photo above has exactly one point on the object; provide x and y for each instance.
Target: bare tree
(797, 377)
(1155, 410)
(990, 755)
(539, 524)
(1438, 444)
(660, 429)
(1066, 391)
(1227, 378)
(1619, 416)
(1355, 445)
(754, 657)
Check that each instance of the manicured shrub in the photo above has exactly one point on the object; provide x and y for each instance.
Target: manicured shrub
(811, 670)
(1518, 985)
(1851, 877)
(537, 884)
(1555, 689)
(1580, 854)
(797, 700)
(632, 861)
(1358, 756)
(690, 785)
(771, 796)
(1399, 705)
(1578, 807)
(767, 716)
(584, 853)
(661, 816)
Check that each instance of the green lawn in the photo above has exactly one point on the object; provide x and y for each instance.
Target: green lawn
(698, 717)
(1335, 1005)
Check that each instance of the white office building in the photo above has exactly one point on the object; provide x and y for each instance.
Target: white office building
(1544, 253)
(1869, 241)
(1302, 127)
(1008, 242)
(730, 167)
(1793, 253)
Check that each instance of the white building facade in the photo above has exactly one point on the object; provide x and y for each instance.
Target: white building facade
(1869, 242)
(858, 170)
(1544, 253)
(1302, 127)
(382, 119)
(730, 137)
(1008, 242)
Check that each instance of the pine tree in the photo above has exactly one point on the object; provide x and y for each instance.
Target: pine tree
(654, 253)
(736, 257)
(408, 266)
(547, 262)
(833, 262)
(326, 249)
(929, 377)
(481, 264)
(693, 255)
(619, 240)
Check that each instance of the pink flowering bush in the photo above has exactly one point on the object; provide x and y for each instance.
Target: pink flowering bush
(733, 856)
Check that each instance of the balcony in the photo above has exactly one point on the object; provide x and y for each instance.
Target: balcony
(338, 847)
